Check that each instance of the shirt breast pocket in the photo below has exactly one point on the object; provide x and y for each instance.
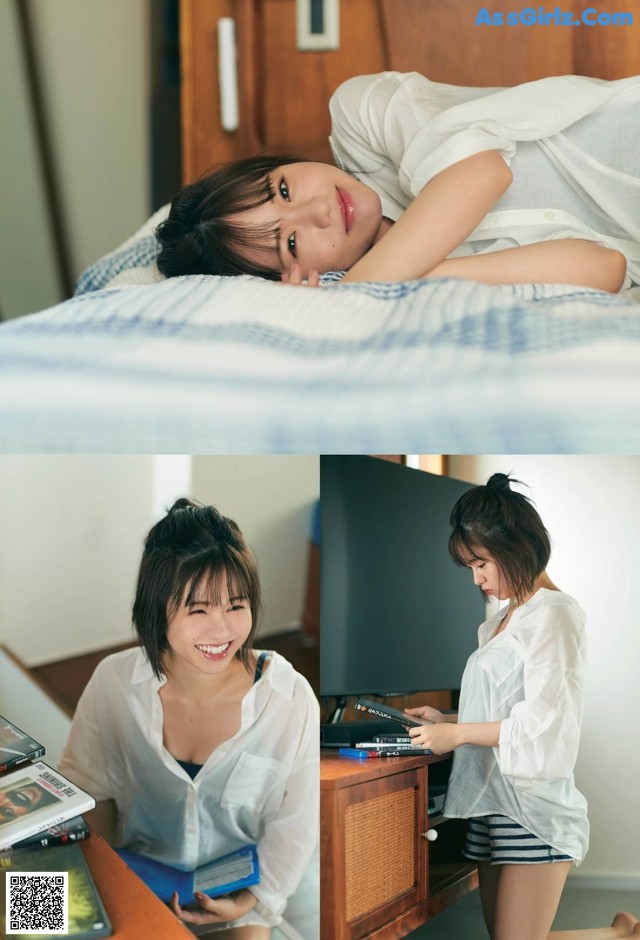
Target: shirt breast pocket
(253, 784)
(503, 665)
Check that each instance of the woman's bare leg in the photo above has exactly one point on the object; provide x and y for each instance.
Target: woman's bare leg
(527, 900)
(624, 925)
(488, 876)
(526, 903)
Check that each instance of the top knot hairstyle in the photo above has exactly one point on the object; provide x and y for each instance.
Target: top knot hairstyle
(193, 550)
(495, 519)
(203, 234)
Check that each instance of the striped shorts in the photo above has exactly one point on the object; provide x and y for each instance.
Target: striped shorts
(502, 841)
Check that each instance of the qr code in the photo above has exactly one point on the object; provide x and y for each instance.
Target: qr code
(38, 902)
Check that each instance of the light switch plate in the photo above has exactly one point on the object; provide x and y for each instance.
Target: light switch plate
(317, 24)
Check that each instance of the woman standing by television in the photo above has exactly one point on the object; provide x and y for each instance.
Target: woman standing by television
(517, 732)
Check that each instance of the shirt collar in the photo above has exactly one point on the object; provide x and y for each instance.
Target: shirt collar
(142, 671)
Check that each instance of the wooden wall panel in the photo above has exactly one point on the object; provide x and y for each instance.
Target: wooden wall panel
(297, 85)
(284, 92)
(609, 51)
(441, 40)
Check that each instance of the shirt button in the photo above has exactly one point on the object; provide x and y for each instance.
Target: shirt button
(550, 215)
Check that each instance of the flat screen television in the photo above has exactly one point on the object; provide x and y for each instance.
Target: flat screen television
(397, 615)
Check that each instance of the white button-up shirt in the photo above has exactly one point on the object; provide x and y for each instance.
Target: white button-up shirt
(261, 786)
(572, 143)
(531, 677)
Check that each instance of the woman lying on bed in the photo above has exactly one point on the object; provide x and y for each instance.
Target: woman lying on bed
(537, 183)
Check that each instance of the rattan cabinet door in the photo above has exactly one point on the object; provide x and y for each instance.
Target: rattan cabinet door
(379, 857)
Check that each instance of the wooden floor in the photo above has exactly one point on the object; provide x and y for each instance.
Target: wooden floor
(65, 680)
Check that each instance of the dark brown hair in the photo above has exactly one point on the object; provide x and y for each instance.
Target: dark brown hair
(202, 234)
(505, 524)
(194, 548)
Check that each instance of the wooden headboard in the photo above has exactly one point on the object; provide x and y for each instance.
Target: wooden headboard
(283, 93)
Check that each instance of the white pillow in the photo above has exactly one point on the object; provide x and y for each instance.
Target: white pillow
(133, 262)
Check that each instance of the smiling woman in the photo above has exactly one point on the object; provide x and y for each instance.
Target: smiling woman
(195, 745)
(434, 180)
(262, 215)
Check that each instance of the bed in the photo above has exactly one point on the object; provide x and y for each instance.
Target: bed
(138, 364)
(134, 363)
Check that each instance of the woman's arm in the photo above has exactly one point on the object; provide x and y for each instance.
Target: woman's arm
(103, 819)
(439, 219)
(563, 261)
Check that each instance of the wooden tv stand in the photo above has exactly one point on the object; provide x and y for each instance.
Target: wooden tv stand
(380, 876)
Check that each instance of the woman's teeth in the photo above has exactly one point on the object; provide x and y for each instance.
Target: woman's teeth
(214, 650)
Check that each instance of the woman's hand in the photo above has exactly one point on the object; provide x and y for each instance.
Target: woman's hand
(294, 276)
(427, 713)
(215, 910)
(439, 738)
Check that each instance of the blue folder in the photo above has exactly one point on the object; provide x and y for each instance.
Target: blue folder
(223, 875)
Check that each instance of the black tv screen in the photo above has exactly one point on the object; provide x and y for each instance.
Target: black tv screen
(397, 615)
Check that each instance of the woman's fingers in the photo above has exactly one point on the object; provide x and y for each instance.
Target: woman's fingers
(294, 276)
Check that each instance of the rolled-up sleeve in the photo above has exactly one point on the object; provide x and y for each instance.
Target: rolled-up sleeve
(539, 740)
(290, 833)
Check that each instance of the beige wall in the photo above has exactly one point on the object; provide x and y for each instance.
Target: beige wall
(25, 238)
(70, 543)
(590, 506)
(93, 60)
(73, 529)
(271, 499)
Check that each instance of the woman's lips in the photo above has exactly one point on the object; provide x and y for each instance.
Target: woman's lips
(347, 209)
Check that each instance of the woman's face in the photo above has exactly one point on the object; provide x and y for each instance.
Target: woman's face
(204, 636)
(321, 217)
(19, 801)
(489, 577)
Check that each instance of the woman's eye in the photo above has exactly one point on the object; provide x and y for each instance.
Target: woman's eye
(283, 189)
(291, 245)
(197, 611)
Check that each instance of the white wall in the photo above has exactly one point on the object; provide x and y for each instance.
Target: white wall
(71, 536)
(271, 499)
(590, 506)
(24, 223)
(72, 530)
(93, 60)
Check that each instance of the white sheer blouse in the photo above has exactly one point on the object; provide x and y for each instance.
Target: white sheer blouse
(531, 677)
(261, 786)
(572, 143)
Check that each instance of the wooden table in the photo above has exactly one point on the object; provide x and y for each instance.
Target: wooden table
(134, 911)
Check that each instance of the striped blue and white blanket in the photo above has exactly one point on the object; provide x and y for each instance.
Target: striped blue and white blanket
(239, 365)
